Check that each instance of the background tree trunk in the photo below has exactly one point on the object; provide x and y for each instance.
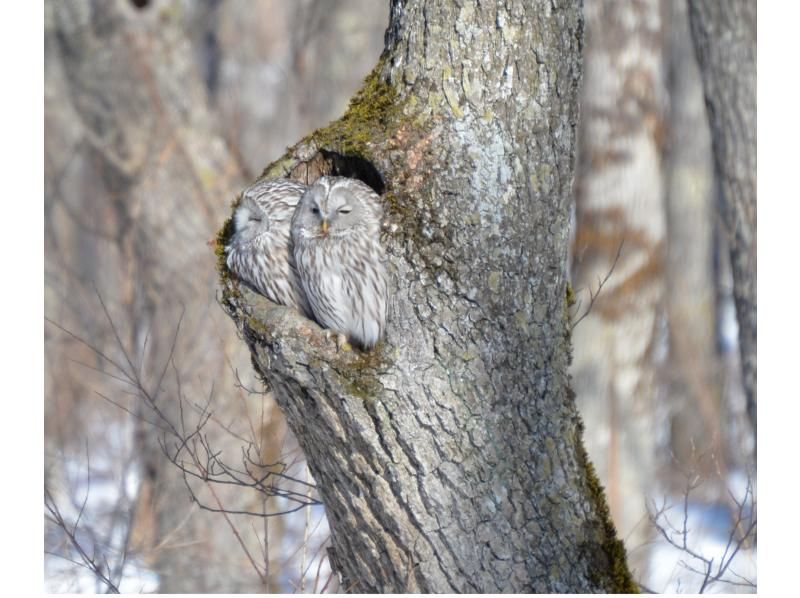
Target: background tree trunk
(694, 371)
(724, 35)
(450, 458)
(130, 210)
(621, 230)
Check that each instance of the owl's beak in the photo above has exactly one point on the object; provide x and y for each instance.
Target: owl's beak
(324, 227)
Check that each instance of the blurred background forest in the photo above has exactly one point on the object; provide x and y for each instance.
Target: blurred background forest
(157, 113)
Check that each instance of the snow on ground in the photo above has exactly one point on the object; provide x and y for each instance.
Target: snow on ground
(99, 503)
(708, 528)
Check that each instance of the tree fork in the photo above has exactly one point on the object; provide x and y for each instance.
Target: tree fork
(450, 457)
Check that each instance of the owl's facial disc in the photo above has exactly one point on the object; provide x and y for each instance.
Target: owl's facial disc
(247, 220)
(329, 212)
(241, 217)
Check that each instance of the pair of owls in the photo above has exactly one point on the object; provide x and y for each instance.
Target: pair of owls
(316, 249)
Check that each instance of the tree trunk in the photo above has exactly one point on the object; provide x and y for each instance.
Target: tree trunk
(724, 35)
(696, 415)
(139, 171)
(450, 457)
(620, 235)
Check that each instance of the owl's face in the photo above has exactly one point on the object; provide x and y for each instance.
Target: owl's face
(249, 220)
(328, 210)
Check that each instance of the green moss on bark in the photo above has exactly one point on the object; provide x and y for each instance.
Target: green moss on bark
(229, 290)
(612, 571)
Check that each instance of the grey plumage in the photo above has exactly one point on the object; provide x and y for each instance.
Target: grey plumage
(336, 242)
(316, 249)
(259, 251)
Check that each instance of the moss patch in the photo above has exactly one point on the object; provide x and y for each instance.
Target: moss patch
(359, 372)
(571, 299)
(229, 289)
(613, 574)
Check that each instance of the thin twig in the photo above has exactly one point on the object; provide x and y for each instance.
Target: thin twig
(742, 530)
(601, 283)
(236, 533)
(87, 561)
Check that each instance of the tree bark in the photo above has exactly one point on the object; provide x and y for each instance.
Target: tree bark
(450, 457)
(724, 34)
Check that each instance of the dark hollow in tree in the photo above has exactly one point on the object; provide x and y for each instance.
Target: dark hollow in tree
(450, 458)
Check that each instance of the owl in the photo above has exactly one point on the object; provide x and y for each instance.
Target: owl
(340, 261)
(259, 251)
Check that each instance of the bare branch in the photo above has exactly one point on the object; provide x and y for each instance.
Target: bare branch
(712, 570)
(601, 283)
(236, 533)
(88, 562)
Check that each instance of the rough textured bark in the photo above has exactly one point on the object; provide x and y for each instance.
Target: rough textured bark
(450, 457)
(621, 230)
(724, 34)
